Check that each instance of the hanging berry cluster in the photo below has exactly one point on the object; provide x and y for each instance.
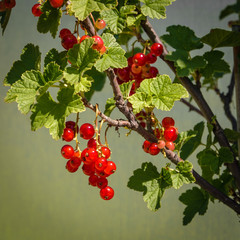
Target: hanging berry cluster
(167, 133)
(94, 158)
(139, 67)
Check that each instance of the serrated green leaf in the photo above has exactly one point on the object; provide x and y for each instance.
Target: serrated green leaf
(114, 57)
(157, 92)
(29, 59)
(155, 8)
(230, 9)
(144, 174)
(221, 38)
(231, 135)
(215, 63)
(196, 202)
(49, 19)
(54, 56)
(182, 138)
(190, 146)
(109, 106)
(32, 84)
(135, 20)
(182, 174)
(52, 115)
(82, 9)
(182, 37)
(126, 88)
(225, 155)
(184, 64)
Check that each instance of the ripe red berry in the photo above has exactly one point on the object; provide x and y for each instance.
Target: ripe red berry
(98, 43)
(102, 182)
(69, 41)
(70, 167)
(71, 124)
(9, 3)
(153, 72)
(161, 144)
(91, 155)
(100, 23)
(92, 143)
(105, 152)
(168, 122)
(123, 73)
(139, 59)
(101, 173)
(101, 163)
(88, 169)
(64, 32)
(153, 149)
(151, 58)
(36, 10)
(56, 3)
(170, 134)
(170, 145)
(75, 161)
(83, 38)
(87, 131)
(68, 134)
(67, 151)
(130, 61)
(157, 49)
(103, 50)
(136, 69)
(146, 146)
(111, 168)
(107, 193)
(92, 180)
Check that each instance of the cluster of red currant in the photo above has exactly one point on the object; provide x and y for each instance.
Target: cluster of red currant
(94, 157)
(166, 134)
(7, 4)
(139, 67)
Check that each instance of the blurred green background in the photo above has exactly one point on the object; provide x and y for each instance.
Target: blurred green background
(40, 200)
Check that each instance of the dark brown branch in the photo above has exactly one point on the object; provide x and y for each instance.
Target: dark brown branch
(173, 157)
(196, 93)
(191, 107)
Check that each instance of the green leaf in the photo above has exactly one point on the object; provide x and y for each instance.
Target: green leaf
(196, 201)
(230, 9)
(182, 138)
(215, 63)
(144, 174)
(221, 38)
(209, 137)
(231, 135)
(49, 20)
(5, 16)
(209, 158)
(184, 64)
(29, 59)
(157, 92)
(225, 155)
(83, 8)
(135, 20)
(32, 84)
(182, 174)
(155, 8)
(114, 57)
(54, 56)
(181, 37)
(109, 106)
(191, 145)
(53, 114)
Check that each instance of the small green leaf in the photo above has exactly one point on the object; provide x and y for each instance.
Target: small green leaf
(221, 38)
(49, 20)
(109, 106)
(182, 174)
(29, 59)
(155, 8)
(157, 92)
(5, 16)
(82, 9)
(54, 56)
(230, 9)
(225, 155)
(114, 57)
(196, 201)
(53, 114)
(183, 137)
(231, 135)
(181, 37)
(190, 146)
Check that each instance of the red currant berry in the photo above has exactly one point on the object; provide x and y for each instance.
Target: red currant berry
(102, 182)
(69, 41)
(75, 161)
(91, 155)
(101, 163)
(83, 153)
(157, 132)
(107, 193)
(67, 151)
(170, 145)
(72, 125)
(100, 23)
(83, 38)
(153, 72)
(105, 152)
(56, 3)
(92, 143)
(98, 43)
(168, 122)
(170, 134)
(87, 131)
(139, 59)
(157, 49)
(111, 168)
(136, 69)
(9, 3)
(153, 149)
(64, 32)
(146, 146)
(161, 144)
(130, 61)
(70, 167)
(92, 180)
(68, 134)
(103, 50)
(88, 169)
(101, 173)
(123, 73)
(36, 10)
(151, 58)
